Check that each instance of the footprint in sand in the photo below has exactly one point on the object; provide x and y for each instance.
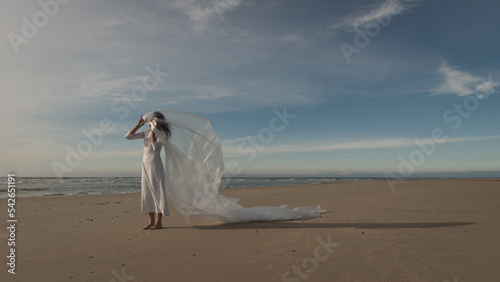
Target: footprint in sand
(92, 271)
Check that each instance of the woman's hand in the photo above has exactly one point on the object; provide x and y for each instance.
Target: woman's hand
(152, 124)
(141, 121)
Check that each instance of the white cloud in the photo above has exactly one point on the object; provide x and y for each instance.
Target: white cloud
(230, 147)
(295, 37)
(90, 81)
(231, 142)
(201, 12)
(382, 12)
(463, 83)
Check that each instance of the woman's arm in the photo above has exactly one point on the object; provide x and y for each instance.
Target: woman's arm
(153, 137)
(152, 126)
(132, 133)
(156, 145)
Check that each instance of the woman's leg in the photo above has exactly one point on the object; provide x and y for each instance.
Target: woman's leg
(158, 222)
(151, 216)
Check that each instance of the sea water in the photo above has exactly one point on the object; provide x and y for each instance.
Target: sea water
(51, 186)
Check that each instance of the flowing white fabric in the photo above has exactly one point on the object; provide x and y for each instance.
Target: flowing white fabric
(193, 171)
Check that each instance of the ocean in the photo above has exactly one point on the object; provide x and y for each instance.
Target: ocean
(27, 187)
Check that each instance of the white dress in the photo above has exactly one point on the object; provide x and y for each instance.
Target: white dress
(153, 192)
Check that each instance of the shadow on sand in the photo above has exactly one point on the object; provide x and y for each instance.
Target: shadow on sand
(305, 225)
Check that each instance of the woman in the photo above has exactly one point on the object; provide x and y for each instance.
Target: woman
(153, 193)
(194, 163)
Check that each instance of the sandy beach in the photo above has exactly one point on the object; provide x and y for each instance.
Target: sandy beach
(426, 230)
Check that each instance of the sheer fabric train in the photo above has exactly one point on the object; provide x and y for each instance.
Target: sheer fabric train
(193, 172)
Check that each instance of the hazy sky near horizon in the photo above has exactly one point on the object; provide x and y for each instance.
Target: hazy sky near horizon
(362, 83)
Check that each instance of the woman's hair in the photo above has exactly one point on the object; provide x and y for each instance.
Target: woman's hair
(162, 123)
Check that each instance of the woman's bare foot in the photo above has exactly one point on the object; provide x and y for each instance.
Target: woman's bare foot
(148, 226)
(156, 226)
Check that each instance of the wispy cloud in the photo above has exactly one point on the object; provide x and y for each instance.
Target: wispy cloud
(381, 12)
(232, 147)
(462, 83)
(231, 142)
(201, 12)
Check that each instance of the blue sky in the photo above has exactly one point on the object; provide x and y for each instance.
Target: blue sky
(410, 68)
